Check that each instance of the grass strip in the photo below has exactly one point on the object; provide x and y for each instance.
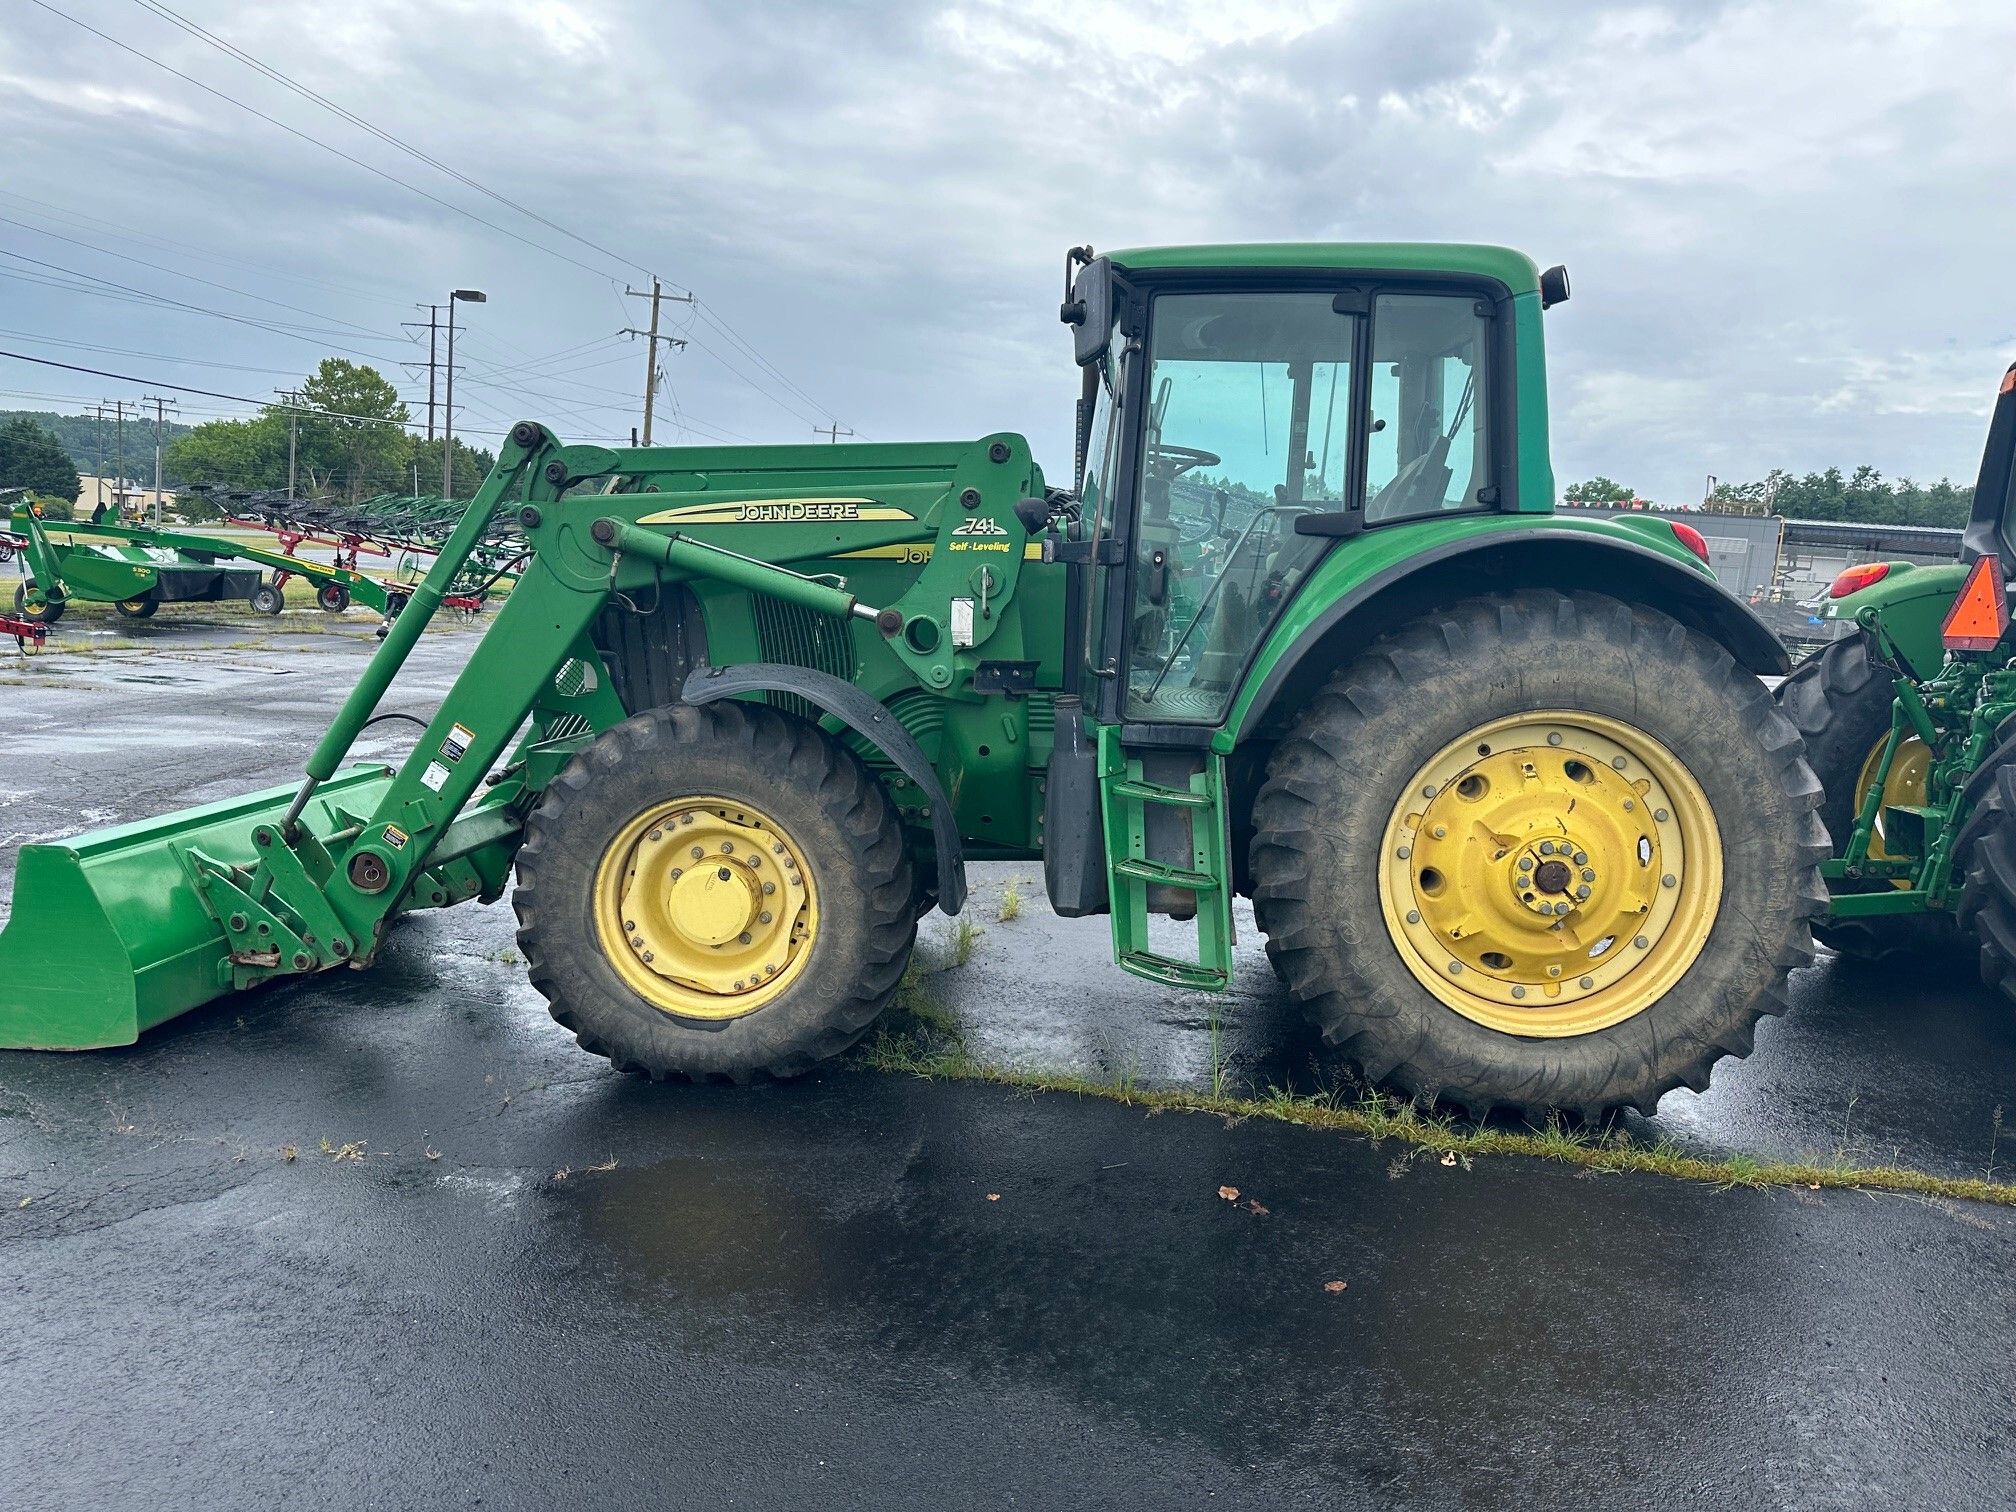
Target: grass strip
(925, 1053)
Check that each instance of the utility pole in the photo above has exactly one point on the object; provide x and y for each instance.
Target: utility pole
(293, 433)
(433, 326)
(657, 295)
(98, 435)
(832, 433)
(159, 404)
(471, 296)
(119, 442)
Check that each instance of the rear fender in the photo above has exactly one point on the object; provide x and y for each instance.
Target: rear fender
(1307, 646)
(1909, 604)
(875, 723)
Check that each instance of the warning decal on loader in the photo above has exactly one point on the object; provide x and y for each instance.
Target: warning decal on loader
(460, 738)
(1981, 613)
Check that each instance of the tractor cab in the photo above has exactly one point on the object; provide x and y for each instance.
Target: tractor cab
(1245, 415)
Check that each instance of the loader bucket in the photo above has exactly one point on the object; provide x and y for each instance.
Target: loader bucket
(108, 935)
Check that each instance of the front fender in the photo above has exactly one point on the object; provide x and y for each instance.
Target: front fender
(1910, 602)
(874, 722)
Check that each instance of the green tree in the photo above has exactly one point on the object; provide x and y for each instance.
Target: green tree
(32, 458)
(242, 453)
(356, 445)
(1599, 490)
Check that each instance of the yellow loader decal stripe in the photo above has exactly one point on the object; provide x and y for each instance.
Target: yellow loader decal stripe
(920, 552)
(776, 512)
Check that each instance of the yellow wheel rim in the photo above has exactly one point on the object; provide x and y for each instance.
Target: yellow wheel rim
(1908, 783)
(1551, 874)
(706, 907)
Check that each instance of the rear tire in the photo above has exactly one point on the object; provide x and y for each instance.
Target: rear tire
(1344, 777)
(139, 608)
(825, 803)
(45, 614)
(1839, 700)
(1985, 859)
(332, 598)
(266, 599)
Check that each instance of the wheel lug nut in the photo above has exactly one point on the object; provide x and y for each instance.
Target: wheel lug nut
(768, 888)
(685, 818)
(1581, 858)
(1525, 863)
(657, 834)
(1642, 943)
(1582, 891)
(698, 853)
(763, 917)
(1586, 982)
(1553, 971)
(1660, 815)
(1518, 992)
(1668, 880)
(1617, 762)
(637, 941)
(1455, 968)
(778, 847)
(629, 926)
(678, 872)
(1588, 874)
(1441, 832)
(1546, 847)
(1404, 852)
(648, 957)
(1413, 916)
(727, 847)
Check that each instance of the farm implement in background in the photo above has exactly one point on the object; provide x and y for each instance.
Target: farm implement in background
(408, 530)
(137, 569)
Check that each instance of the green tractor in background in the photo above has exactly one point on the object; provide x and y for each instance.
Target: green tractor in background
(1519, 821)
(1910, 723)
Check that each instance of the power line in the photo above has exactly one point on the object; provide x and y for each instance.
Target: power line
(180, 388)
(281, 328)
(212, 283)
(233, 51)
(86, 346)
(315, 141)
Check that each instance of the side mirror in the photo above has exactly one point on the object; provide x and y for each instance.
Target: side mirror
(1553, 287)
(1089, 311)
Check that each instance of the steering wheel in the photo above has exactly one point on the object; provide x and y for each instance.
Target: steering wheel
(1185, 457)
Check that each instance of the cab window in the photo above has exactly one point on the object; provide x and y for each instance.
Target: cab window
(1428, 443)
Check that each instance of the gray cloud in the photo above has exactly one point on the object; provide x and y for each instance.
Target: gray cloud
(1786, 221)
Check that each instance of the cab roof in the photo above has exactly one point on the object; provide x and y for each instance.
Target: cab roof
(1515, 270)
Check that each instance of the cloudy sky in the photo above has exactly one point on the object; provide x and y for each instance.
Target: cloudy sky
(1788, 223)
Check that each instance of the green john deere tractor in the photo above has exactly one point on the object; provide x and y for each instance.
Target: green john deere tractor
(1520, 823)
(1910, 723)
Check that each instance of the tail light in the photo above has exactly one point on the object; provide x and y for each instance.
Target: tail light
(1855, 579)
(1692, 539)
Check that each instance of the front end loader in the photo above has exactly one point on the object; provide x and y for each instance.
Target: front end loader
(1520, 825)
(1909, 720)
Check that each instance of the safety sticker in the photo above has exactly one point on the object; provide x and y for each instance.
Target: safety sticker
(396, 837)
(460, 738)
(435, 777)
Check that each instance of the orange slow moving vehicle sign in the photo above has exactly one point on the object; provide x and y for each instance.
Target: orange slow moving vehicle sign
(1981, 613)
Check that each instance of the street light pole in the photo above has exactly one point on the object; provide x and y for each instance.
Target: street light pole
(471, 296)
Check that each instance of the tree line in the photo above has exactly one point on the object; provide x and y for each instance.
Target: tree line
(1863, 497)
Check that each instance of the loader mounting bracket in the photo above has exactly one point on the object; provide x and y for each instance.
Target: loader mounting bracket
(867, 717)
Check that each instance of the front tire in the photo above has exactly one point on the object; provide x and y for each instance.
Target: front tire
(332, 598)
(1539, 852)
(138, 608)
(771, 951)
(266, 599)
(1839, 700)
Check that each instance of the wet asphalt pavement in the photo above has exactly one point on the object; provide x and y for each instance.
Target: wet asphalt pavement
(496, 1274)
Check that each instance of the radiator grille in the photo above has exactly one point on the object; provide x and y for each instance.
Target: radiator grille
(802, 638)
